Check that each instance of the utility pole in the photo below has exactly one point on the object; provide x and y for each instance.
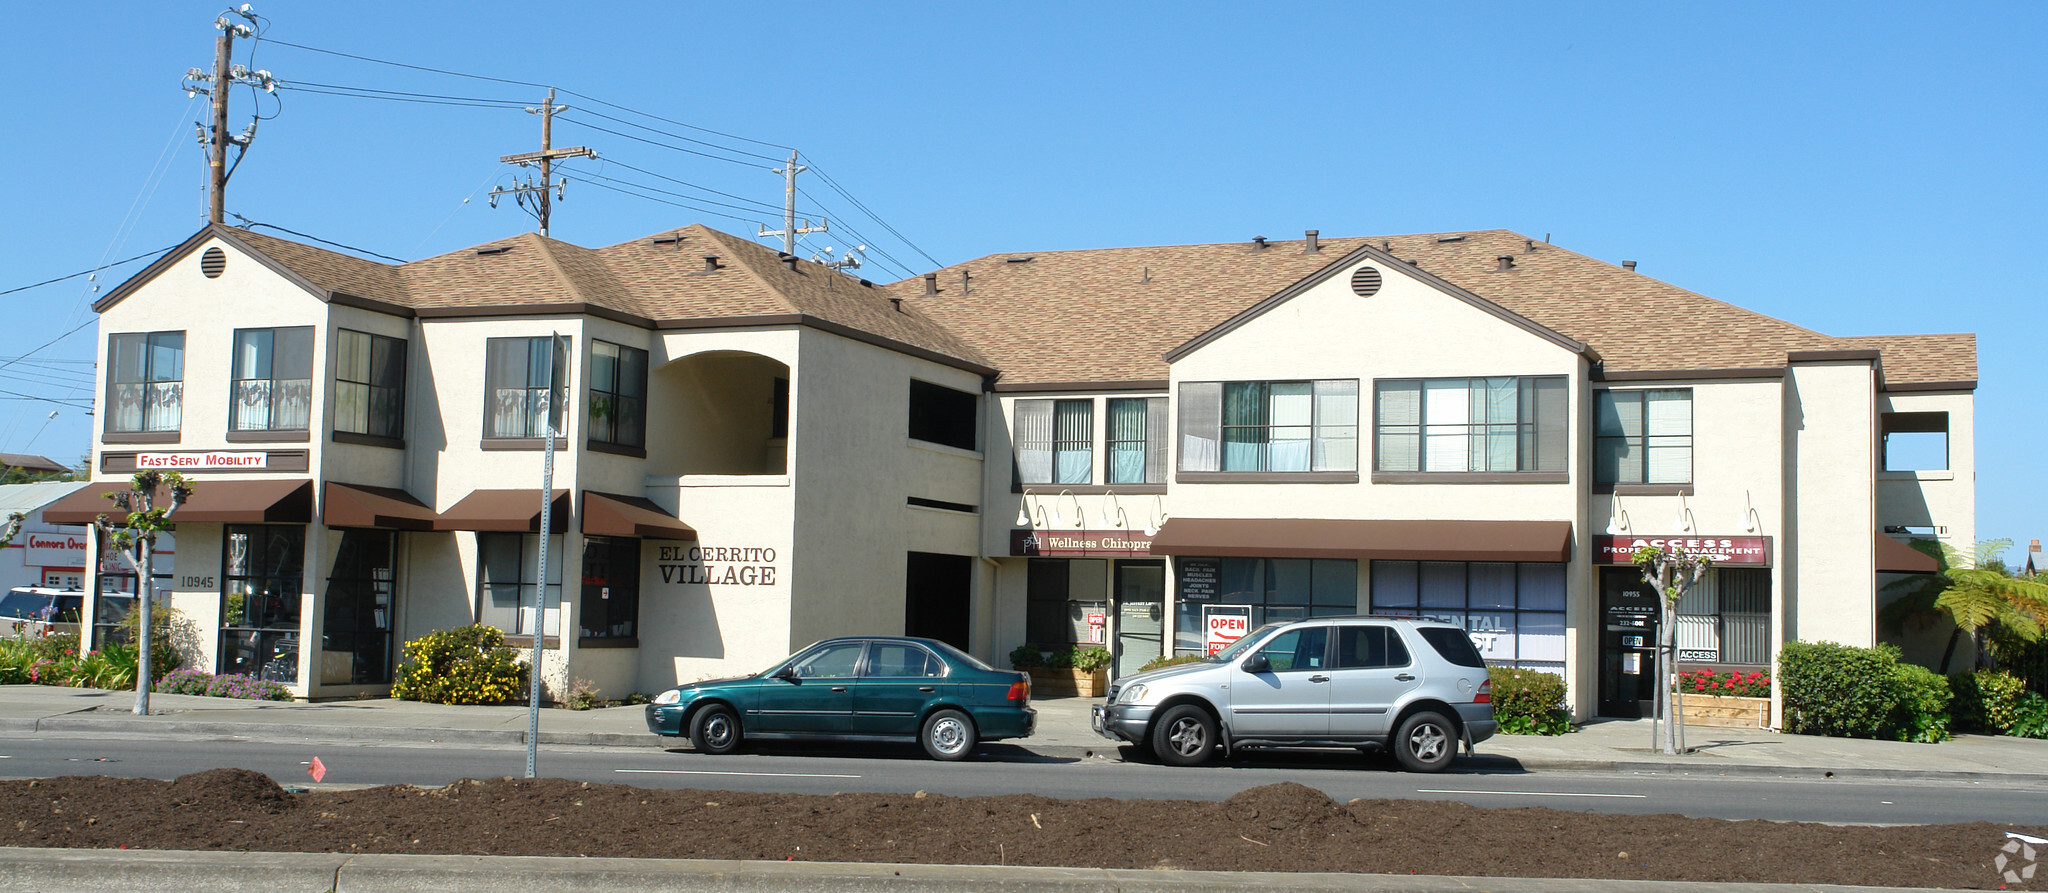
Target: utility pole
(790, 230)
(545, 158)
(215, 138)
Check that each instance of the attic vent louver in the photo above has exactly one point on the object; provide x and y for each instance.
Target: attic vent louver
(213, 262)
(668, 240)
(1365, 282)
(495, 249)
(1629, 265)
(710, 263)
(1259, 242)
(1018, 260)
(1450, 238)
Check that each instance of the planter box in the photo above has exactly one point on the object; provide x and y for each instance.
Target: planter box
(1069, 683)
(1726, 712)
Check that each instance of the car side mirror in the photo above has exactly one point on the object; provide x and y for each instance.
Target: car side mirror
(786, 674)
(1257, 663)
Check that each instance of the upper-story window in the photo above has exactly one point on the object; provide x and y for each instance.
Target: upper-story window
(941, 415)
(1643, 437)
(1471, 425)
(1055, 441)
(146, 381)
(1269, 426)
(369, 385)
(516, 385)
(1137, 440)
(618, 394)
(273, 384)
(1914, 441)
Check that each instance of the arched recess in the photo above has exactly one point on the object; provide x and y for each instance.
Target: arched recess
(718, 412)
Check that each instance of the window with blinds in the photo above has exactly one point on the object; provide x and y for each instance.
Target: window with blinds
(1055, 441)
(1643, 437)
(1269, 426)
(1471, 425)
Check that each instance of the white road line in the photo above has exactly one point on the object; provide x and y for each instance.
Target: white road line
(752, 774)
(1530, 794)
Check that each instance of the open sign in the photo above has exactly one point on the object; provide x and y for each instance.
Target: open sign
(1226, 624)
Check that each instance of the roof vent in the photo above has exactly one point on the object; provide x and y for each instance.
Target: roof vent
(494, 249)
(1507, 263)
(1629, 265)
(1450, 238)
(672, 241)
(1365, 282)
(788, 260)
(1018, 260)
(213, 262)
(1259, 243)
(866, 284)
(1146, 279)
(931, 284)
(964, 276)
(1528, 246)
(895, 302)
(711, 264)
(1314, 242)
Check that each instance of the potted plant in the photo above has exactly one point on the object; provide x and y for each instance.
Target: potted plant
(1069, 671)
(1735, 700)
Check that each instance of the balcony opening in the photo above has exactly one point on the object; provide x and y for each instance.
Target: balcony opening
(1914, 441)
(720, 412)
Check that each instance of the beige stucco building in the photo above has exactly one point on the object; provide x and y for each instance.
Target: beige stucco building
(1147, 448)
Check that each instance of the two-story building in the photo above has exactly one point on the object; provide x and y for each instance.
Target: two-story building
(1148, 448)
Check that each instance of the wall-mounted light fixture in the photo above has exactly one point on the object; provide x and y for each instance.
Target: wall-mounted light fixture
(1158, 517)
(1750, 519)
(1121, 520)
(1617, 517)
(1080, 513)
(1024, 509)
(1684, 522)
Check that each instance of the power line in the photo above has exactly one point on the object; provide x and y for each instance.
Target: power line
(251, 224)
(508, 103)
(593, 182)
(485, 104)
(650, 142)
(738, 198)
(88, 272)
(677, 136)
(876, 217)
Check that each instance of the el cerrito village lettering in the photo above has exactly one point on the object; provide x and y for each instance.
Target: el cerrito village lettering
(717, 565)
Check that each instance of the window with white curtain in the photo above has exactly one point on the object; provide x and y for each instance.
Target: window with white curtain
(516, 385)
(1269, 426)
(1514, 611)
(1137, 440)
(1643, 437)
(273, 380)
(1055, 441)
(146, 382)
(1466, 425)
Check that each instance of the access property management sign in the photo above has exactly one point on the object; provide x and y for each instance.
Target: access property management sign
(1738, 551)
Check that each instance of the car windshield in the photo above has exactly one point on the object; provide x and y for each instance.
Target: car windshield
(1238, 648)
(20, 604)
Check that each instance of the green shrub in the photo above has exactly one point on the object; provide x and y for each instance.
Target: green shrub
(2030, 717)
(466, 665)
(163, 656)
(1529, 702)
(1026, 657)
(1986, 701)
(1920, 710)
(1091, 659)
(1173, 661)
(184, 682)
(1837, 690)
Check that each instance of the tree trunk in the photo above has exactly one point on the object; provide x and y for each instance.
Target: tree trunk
(145, 586)
(1950, 651)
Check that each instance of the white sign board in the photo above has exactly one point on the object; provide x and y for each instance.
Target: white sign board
(56, 549)
(1225, 624)
(201, 460)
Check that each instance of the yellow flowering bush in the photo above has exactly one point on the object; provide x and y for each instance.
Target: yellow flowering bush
(466, 665)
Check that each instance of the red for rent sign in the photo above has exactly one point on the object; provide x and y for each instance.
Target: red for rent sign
(1226, 624)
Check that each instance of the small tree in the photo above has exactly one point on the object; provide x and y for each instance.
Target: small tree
(135, 536)
(1673, 573)
(1975, 592)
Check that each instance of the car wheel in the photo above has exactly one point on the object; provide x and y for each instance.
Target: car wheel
(1426, 742)
(1184, 736)
(948, 735)
(716, 730)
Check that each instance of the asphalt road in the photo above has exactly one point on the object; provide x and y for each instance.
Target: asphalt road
(1003, 770)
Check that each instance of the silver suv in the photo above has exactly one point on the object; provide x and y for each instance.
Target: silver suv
(1416, 687)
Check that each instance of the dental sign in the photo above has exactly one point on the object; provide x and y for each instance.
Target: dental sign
(1727, 551)
(201, 461)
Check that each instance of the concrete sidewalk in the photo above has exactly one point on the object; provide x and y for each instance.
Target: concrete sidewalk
(1612, 745)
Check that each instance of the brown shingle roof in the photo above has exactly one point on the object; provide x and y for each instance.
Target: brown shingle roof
(1110, 315)
(1924, 359)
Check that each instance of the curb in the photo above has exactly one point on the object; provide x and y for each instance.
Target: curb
(64, 870)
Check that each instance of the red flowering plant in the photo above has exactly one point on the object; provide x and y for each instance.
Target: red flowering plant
(1735, 683)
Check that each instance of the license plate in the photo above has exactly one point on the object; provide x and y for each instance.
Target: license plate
(1095, 719)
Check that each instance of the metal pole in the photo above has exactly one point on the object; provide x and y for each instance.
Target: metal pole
(547, 503)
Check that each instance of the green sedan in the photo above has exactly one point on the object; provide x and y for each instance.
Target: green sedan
(855, 689)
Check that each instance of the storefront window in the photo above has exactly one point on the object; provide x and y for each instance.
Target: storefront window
(1514, 612)
(114, 594)
(355, 642)
(1062, 593)
(1726, 618)
(509, 567)
(260, 601)
(1276, 590)
(611, 588)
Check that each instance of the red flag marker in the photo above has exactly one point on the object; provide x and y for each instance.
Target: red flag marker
(318, 770)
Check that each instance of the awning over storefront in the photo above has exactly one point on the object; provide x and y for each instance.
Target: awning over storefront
(1315, 538)
(356, 505)
(607, 514)
(1893, 557)
(509, 510)
(212, 501)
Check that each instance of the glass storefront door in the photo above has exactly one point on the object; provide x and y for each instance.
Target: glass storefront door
(355, 640)
(1140, 614)
(1628, 643)
(260, 600)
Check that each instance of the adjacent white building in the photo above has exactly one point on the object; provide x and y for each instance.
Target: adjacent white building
(1146, 448)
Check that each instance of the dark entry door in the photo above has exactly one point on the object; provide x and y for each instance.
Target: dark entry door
(1140, 613)
(935, 597)
(1628, 643)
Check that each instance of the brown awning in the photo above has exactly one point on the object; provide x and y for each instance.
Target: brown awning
(1422, 540)
(607, 514)
(513, 510)
(1894, 557)
(288, 501)
(356, 505)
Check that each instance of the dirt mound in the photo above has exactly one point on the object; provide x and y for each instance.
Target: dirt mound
(1283, 827)
(1284, 806)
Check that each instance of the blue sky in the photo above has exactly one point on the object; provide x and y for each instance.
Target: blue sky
(1865, 168)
